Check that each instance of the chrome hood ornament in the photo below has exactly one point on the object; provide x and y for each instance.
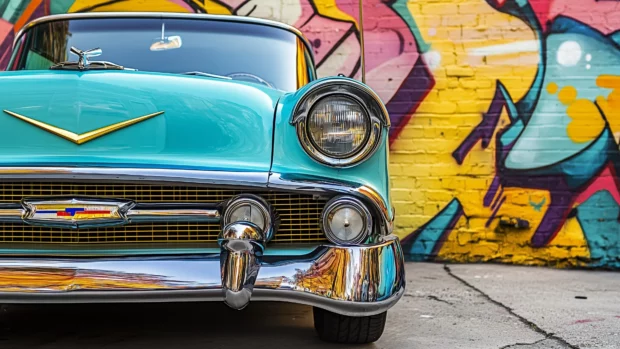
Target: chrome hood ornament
(74, 213)
(83, 62)
(85, 55)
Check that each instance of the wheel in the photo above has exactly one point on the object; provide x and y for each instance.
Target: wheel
(332, 327)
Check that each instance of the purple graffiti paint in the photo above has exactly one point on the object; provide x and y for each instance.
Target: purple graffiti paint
(407, 99)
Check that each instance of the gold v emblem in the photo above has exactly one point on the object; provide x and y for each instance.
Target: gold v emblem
(84, 137)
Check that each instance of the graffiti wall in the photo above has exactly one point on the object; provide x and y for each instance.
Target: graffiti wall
(505, 114)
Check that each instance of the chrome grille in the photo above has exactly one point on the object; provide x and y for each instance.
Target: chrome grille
(299, 213)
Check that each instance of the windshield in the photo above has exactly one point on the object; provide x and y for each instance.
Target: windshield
(244, 51)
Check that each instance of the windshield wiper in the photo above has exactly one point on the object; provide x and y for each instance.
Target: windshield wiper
(199, 73)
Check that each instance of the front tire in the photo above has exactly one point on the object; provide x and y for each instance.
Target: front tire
(332, 327)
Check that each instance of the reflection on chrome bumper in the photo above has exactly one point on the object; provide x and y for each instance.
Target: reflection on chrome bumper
(350, 280)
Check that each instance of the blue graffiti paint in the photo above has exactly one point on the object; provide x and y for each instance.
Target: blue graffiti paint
(537, 206)
(598, 217)
(425, 242)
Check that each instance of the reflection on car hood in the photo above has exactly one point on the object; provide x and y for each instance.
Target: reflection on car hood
(207, 123)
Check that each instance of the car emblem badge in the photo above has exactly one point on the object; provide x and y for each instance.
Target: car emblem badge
(83, 137)
(75, 213)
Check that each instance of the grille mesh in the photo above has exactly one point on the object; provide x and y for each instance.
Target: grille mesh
(299, 214)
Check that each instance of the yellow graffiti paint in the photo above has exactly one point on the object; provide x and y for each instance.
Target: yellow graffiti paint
(475, 50)
(552, 88)
(567, 95)
(212, 7)
(126, 6)
(329, 8)
(586, 123)
(610, 105)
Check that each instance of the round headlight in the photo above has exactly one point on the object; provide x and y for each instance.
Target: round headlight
(338, 126)
(247, 209)
(346, 221)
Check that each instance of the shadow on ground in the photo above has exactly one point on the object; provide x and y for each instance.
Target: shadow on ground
(178, 325)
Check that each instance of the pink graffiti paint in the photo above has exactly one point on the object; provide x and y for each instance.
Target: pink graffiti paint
(603, 16)
(5, 27)
(6, 38)
(585, 321)
(386, 33)
(606, 180)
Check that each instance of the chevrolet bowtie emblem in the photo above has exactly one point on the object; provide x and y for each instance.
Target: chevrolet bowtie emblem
(74, 213)
(84, 137)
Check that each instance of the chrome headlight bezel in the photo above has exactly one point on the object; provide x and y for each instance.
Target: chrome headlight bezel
(256, 201)
(369, 102)
(339, 202)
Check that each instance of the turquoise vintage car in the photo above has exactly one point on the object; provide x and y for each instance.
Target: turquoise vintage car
(150, 157)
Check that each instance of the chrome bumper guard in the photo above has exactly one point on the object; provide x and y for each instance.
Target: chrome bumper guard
(350, 280)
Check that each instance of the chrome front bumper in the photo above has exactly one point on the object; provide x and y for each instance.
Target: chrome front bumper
(349, 280)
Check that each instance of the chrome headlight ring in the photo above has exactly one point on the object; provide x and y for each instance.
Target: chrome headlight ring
(370, 103)
(254, 201)
(346, 202)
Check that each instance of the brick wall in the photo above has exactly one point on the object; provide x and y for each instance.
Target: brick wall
(505, 113)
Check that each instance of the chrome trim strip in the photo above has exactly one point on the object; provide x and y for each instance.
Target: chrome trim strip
(308, 184)
(296, 183)
(225, 18)
(329, 277)
(216, 178)
(173, 215)
(134, 216)
(12, 214)
(201, 295)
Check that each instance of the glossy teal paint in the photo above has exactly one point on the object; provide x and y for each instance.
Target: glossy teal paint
(290, 159)
(208, 123)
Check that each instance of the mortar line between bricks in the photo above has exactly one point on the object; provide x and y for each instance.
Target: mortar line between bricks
(525, 321)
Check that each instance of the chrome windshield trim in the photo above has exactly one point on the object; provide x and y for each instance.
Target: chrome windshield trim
(162, 15)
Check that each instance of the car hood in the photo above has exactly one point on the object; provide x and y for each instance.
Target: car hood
(207, 123)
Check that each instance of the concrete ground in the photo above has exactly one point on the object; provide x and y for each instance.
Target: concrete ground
(457, 306)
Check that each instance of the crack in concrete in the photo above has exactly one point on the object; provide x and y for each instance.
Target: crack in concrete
(431, 297)
(523, 344)
(525, 321)
(435, 298)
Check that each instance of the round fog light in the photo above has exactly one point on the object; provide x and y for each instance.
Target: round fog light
(346, 221)
(247, 209)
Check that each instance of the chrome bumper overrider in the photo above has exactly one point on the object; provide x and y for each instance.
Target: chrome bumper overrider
(350, 280)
